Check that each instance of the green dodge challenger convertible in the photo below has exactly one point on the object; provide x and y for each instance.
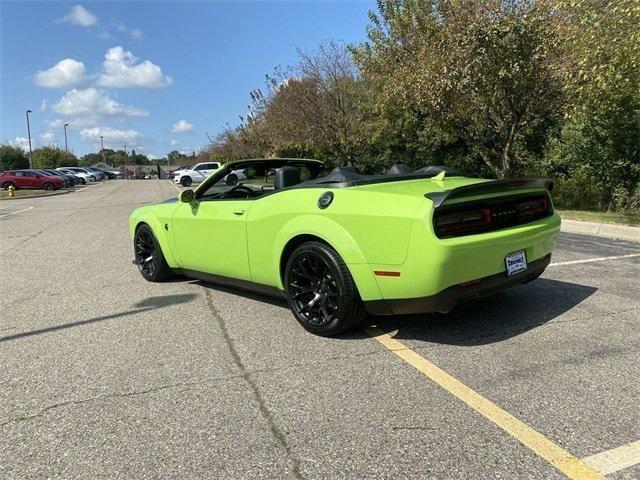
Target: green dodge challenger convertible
(338, 245)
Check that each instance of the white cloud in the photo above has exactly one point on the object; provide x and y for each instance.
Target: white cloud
(22, 142)
(80, 16)
(181, 127)
(44, 104)
(92, 103)
(174, 142)
(134, 33)
(48, 138)
(152, 156)
(120, 70)
(111, 135)
(66, 73)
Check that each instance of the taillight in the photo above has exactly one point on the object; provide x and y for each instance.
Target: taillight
(531, 208)
(463, 221)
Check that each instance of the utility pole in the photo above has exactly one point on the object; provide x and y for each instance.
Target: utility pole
(66, 146)
(102, 151)
(125, 162)
(29, 134)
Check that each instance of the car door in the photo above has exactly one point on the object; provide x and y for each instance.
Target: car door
(210, 236)
(28, 179)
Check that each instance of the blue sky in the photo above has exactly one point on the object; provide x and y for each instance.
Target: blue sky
(153, 75)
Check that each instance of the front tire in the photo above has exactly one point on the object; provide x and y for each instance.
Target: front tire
(186, 181)
(232, 179)
(48, 187)
(148, 256)
(321, 292)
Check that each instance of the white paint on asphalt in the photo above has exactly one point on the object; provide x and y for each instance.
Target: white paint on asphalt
(13, 213)
(616, 459)
(599, 259)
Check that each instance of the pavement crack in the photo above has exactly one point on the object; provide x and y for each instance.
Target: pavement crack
(81, 401)
(277, 434)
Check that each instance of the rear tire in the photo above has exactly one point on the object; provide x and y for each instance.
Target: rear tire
(232, 179)
(6, 185)
(48, 187)
(148, 256)
(186, 181)
(320, 290)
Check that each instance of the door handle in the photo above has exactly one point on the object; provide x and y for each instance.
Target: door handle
(239, 212)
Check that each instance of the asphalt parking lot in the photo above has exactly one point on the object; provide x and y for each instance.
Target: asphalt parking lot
(105, 375)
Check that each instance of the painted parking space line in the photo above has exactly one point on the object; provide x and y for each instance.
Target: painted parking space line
(598, 259)
(616, 459)
(13, 213)
(569, 465)
(174, 185)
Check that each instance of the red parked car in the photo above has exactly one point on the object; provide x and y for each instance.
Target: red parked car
(29, 179)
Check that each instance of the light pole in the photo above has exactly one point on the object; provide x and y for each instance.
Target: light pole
(29, 134)
(102, 150)
(125, 162)
(66, 146)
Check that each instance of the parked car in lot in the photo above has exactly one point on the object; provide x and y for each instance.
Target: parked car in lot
(99, 174)
(195, 174)
(30, 179)
(91, 176)
(81, 177)
(69, 180)
(64, 178)
(342, 245)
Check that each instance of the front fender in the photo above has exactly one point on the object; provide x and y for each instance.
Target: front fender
(141, 216)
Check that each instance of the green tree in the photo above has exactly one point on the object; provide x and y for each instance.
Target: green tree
(476, 73)
(52, 157)
(12, 157)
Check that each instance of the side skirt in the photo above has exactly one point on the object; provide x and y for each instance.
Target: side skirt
(231, 282)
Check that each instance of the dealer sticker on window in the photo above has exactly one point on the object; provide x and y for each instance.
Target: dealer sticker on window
(516, 262)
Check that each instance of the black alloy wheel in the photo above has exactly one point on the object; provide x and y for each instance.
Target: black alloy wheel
(320, 290)
(149, 257)
(186, 181)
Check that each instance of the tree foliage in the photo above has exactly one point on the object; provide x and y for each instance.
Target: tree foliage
(12, 157)
(53, 157)
(492, 87)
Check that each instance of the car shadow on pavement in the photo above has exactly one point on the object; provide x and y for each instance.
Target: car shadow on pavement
(491, 319)
(150, 303)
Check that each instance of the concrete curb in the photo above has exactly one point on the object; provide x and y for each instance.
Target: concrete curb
(609, 230)
(10, 199)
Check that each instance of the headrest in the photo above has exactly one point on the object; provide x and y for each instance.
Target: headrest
(286, 177)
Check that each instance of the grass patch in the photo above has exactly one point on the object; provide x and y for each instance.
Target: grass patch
(4, 195)
(601, 217)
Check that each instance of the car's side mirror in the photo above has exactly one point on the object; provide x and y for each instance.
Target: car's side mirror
(187, 196)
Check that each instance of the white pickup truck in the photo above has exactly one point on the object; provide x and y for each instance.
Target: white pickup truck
(195, 173)
(198, 172)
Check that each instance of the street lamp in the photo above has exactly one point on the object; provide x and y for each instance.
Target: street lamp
(66, 147)
(125, 162)
(29, 134)
(102, 151)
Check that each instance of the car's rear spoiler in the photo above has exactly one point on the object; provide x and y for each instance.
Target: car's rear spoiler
(495, 186)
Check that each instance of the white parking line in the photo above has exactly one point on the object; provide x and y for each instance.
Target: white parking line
(616, 459)
(599, 259)
(13, 213)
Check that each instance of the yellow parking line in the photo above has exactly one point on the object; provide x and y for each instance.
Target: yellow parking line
(598, 259)
(571, 466)
(615, 459)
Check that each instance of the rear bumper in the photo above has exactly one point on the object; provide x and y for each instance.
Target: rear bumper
(448, 298)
